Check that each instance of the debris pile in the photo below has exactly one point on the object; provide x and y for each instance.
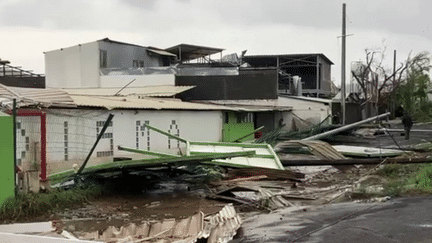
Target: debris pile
(219, 227)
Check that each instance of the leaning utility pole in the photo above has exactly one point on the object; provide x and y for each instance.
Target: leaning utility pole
(343, 63)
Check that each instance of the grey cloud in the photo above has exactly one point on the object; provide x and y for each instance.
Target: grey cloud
(54, 13)
(405, 17)
(142, 4)
(21, 14)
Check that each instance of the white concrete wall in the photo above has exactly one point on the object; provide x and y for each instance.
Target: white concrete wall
(73, 67)
(89, 61)
(304, 113)
(140, 80)
(79, 66)
(82, 131)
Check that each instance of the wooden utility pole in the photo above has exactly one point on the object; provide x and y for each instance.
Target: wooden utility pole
(343, 63)
(392, 104)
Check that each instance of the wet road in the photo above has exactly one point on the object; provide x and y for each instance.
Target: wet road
(397, 220)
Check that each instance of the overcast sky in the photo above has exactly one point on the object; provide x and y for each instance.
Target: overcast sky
(30, 27)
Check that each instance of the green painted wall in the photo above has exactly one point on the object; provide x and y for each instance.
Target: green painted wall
(6, 157)
(235, 127)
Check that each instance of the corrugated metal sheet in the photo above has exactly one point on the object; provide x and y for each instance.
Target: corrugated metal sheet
(150, 91)
(145, 103)
(320, 149)
(115, 102)
(161, 52)
(218, 228)
(34, 96)
(252, 105)
(367, 152)
(265, 156)
(313, 99)
(290, 56)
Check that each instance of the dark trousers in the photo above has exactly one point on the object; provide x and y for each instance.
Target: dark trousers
(407, 131)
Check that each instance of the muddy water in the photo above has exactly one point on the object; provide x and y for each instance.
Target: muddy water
(169, 200)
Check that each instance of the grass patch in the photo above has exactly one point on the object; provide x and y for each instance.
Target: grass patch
(410, 179)
(30, 205)
(423, 179)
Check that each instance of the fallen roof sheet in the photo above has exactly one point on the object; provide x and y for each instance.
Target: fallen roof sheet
(367, 152)
(220, 227)
(158, 162)
(150, 91)
(320, 149)
(265, 157)
(35, 96)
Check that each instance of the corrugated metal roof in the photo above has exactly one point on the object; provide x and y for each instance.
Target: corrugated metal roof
(35, 96)
(112, 102)
(150, 91)
(313, 99)
(250, 105)
(290, 55)
(116, 102)
(189, 52)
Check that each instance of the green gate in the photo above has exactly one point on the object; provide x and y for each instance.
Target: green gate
(7, 188)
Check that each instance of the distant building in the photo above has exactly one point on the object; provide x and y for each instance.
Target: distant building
(313, 69)
(107, 63)
(17, 77)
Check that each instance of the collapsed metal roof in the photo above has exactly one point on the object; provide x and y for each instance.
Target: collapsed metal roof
(47, 97)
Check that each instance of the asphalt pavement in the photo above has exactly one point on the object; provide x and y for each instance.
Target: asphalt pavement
(397, 220)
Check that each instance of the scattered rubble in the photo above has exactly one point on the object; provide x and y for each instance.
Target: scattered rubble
(205, 192)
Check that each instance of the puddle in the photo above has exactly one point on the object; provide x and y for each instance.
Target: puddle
(163, 200)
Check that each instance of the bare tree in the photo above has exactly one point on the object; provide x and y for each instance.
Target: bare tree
(378, 84)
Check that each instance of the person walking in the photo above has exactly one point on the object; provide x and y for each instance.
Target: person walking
(408, 123)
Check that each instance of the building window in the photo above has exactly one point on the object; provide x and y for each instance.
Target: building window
(138, 64)
(243, 117)
(103, 58)
(66, 141)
